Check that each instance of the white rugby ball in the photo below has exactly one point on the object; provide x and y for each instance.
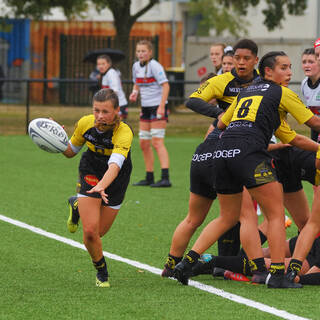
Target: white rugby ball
(48, 135)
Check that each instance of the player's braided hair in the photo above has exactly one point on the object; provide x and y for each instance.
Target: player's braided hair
(269, 60)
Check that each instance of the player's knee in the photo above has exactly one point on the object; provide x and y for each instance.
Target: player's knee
(157, 144)
(193, 223)
(90, 234)
(145, 145)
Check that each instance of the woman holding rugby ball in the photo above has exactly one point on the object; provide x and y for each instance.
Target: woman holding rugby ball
(104, 173)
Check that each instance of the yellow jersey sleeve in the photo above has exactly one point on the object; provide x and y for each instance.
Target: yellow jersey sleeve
(213, 88)
(284, 132)
(122, 139)
(290, 102)
(81, 127)
(226, 118)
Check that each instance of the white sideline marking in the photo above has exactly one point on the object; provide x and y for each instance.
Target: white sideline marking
(230, 296)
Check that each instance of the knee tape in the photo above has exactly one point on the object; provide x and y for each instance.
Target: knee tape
(158, 133)
(145, 135)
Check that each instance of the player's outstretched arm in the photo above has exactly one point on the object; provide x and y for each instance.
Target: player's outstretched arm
(304, 143)
(69, 153)
(314, 123)
(106, 180)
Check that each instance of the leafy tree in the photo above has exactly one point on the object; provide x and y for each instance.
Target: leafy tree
(218, 14)
(227, 14)
(37, 9)
(123, 22)
(121, 10)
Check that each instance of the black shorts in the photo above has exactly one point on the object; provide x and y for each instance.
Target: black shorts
(294, 165)
(313, 256)
(314, 135)
(241, 162)
(124, 112)
(202, 170)
(93, 167)
(149, 114)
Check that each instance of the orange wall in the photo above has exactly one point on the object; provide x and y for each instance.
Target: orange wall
(53, 30)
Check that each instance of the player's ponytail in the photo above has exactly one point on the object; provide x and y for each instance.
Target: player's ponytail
(269, 60)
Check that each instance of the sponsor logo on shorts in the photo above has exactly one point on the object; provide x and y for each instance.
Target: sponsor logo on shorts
(263, 174)
(91, 180)
(202, 157)
(232, 153)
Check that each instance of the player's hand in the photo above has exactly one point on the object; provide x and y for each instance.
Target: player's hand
(134, 96)
(99, 189)
(160, 113)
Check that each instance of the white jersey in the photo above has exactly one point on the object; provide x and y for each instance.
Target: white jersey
(149, 78)
(111, 79)
(311, 95)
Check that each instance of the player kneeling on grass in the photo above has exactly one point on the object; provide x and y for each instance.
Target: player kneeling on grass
(104, 174)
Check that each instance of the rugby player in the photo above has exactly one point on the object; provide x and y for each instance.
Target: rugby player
(310, 88)
(104, 173)
(216, 53)
(151, 82)
(224, 88)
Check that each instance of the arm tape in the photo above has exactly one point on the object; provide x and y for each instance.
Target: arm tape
(74, 148)
(200, 106)
(117, 158)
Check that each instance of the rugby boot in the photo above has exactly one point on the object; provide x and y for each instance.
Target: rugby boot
(281, 282)
(102, 280)
(218, 272)
(204, 265)
(183, 271)
(144, 182)
(288, 222)
(291, 276)
(73, 220)
(163, 183)
(259, 277)
(229, 275)
(167, 271)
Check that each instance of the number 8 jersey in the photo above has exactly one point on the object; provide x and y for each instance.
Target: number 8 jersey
(261, 109)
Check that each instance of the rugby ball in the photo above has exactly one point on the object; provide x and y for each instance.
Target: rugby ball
(48, 135)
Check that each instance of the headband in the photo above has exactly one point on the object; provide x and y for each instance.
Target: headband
(317, 43)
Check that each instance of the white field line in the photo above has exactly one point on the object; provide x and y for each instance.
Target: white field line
(230, 296)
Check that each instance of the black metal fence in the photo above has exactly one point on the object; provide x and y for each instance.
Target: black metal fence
(73, 48)
(175, 98)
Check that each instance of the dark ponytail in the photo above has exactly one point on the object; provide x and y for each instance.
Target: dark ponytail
(269, 60)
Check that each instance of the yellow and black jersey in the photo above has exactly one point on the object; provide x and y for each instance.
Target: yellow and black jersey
(224, 88)
(261, 110)
(117, 140)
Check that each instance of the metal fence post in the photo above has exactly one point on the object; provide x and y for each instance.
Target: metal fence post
(27, 106)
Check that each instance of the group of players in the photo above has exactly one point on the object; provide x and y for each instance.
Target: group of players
(236, 158)
(233, 163)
